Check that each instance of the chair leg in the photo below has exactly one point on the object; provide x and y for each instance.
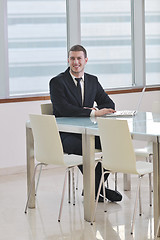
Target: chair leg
(77, 179)
(116, 181)
(104, 192)
(69, 186)
(31, 186)
(98, 193)
(135, 205)
(73, 186)
(157, 230)
(150, 160)
(150, 190)
(64, 186)
(140, 202)
(99, 189)
(38, 180)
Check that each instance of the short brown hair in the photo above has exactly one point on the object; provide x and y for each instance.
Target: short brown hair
(78, 48)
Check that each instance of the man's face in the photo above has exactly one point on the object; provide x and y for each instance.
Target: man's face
(77, 62)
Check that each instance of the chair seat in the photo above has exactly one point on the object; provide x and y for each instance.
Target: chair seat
(71, 160)
(141, 167)
(143, 152)
(144, 167)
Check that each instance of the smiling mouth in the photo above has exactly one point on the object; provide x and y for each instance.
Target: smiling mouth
(76, 68)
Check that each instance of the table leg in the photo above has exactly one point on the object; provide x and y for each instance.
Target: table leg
(30, 165)
(88, 146)
(126, 182)
(156, 183)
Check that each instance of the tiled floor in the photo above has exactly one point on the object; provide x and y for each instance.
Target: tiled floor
(41, 223)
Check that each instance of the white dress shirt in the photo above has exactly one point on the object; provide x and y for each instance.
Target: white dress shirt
(92, 114)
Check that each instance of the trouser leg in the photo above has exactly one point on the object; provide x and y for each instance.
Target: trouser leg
(72, 144)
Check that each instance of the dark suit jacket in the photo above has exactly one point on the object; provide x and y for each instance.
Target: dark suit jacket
(64, 96)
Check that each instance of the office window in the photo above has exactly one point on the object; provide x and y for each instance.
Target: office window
(37, 44)
(152, 29)
(106, 33)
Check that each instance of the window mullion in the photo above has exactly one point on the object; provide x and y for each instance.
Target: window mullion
(139, 43)
(4, 74)
(73, 23)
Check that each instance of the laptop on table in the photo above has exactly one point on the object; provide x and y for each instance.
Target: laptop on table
(127, 113)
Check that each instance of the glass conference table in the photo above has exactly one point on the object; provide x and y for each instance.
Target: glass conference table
(144, 126)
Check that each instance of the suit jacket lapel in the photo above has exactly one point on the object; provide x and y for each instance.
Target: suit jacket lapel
(86, 91)
(71, 85)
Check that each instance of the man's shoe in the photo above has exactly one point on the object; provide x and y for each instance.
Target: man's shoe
(113, 196)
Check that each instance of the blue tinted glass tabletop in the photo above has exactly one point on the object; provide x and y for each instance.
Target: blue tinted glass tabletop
(143, 123)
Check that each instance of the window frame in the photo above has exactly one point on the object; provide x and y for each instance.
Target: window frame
(74, 37)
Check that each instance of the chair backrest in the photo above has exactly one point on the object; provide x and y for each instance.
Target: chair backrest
(48, 146)
(117, 148)
(156, 106)
(47, 109)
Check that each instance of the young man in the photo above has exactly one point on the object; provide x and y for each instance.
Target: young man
(73, 94)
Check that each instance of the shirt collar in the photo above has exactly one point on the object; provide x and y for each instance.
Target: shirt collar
(75, 77)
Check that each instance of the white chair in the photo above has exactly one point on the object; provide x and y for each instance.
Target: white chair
(147, 152)
(47, 109)
(119, 156)
(49, 150)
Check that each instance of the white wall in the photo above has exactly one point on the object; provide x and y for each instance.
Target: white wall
(13, 117)
(130, 101)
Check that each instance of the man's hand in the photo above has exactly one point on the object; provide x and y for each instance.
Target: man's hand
(90, 108)
(103, 111)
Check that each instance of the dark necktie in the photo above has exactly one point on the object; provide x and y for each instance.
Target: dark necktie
(79, 88)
